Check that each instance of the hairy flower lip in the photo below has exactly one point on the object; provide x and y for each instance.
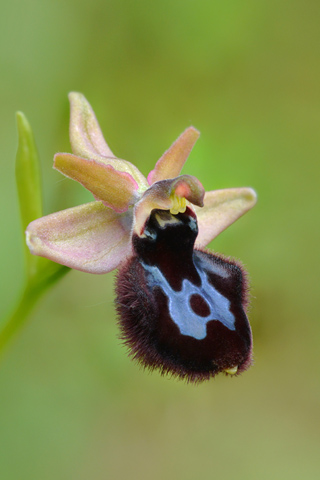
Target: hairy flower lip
(181, 310)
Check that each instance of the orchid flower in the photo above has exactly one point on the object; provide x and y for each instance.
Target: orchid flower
(181, 309)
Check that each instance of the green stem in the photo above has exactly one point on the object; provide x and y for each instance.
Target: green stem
(31, 294)
(15, 320)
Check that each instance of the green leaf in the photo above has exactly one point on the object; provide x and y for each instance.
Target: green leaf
(41, 273)
(29, 185)
(28, 173)
(39, 270)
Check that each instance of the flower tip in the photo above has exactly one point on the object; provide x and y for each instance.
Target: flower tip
(74, 96)
(80, 110)
(231, 370)
(251, 197)
(56, 160)
(31, 240)
(193, 132)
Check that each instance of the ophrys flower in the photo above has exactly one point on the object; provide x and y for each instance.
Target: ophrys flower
(181, 309)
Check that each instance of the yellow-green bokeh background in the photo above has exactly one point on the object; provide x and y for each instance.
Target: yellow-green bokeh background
(247, 75)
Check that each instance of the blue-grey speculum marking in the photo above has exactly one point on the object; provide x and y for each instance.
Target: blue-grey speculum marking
(188, 322)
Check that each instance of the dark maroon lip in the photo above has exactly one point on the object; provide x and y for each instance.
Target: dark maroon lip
(182, 310)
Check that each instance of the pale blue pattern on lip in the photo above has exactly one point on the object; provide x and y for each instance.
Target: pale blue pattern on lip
(188, 322)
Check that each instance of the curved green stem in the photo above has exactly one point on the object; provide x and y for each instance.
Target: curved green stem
(31, 294)
(16, 319)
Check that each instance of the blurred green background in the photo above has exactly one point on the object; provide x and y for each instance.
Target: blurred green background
(247, 75)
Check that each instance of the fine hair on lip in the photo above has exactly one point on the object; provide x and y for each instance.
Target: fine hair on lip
(182, 310)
